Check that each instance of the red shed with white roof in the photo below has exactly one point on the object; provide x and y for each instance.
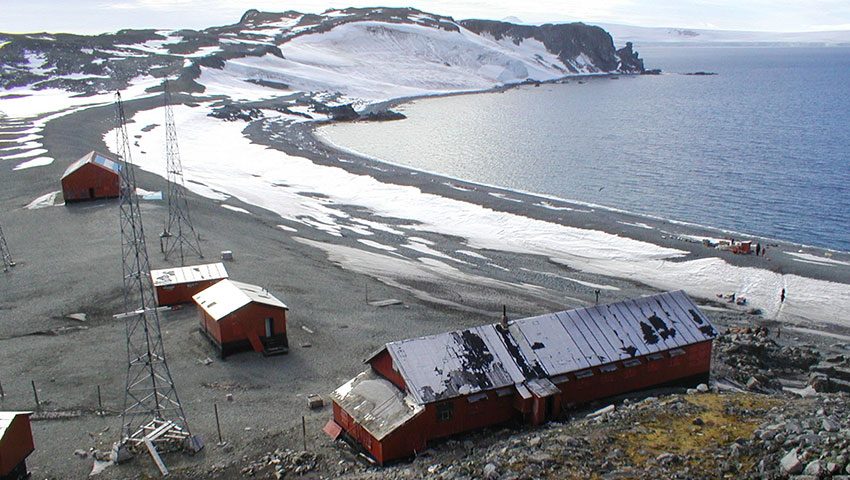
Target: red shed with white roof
(179, 284)
(239, 316)
(95, 175)
(425, 388)
(16, 444)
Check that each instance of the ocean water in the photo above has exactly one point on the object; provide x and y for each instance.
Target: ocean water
(763, 147)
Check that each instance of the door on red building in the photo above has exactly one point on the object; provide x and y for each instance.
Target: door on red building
(269, 327)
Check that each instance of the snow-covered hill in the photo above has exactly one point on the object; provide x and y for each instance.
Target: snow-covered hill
(361, 54)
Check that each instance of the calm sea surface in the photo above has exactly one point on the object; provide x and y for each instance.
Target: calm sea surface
(763, 147)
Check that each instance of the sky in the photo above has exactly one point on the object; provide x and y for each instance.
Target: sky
(99, 16)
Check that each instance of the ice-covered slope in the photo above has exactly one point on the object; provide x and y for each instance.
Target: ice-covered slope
(646, 36)
(376, 60)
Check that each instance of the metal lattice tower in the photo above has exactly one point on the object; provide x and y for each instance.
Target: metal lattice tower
(4, 252)
(152, 415)
(179, 232)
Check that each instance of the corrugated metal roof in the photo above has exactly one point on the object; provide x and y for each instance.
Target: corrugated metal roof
(6, 419)
(587, 337)
(227, 296)
(376, 404)
(192, 273)
(451, 364)
(482, 358)
(97, 159)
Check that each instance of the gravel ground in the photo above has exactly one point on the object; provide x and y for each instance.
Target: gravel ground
(69, 262)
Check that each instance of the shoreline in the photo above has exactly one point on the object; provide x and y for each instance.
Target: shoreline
(834, 247)
(330, 154)
(580, 203)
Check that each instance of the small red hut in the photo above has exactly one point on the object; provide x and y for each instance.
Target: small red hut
(179, 284)
(238, 316)
(16, 444)
(93, 176)
(420, 389)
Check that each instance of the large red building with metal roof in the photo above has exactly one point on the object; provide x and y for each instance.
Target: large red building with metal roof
(93, 176)
(425, 388)
(238, 316)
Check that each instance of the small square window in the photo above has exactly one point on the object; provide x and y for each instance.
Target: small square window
(445, 411)
(584, 374)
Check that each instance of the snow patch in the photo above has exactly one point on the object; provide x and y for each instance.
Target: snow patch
(379, 246)
(809, 258)
(44, 201)
(26, 154)
(236, 209)
(35, 162)
(472, 254)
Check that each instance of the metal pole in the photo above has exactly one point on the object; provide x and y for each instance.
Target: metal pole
(597, 295)
(217, 424)
(304, 432)
(35, 394)
(2, 393)
(99, 401)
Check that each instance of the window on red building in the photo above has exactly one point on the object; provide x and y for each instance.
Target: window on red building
(445, 411)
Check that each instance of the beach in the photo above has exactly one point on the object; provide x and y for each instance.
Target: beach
(328, 233)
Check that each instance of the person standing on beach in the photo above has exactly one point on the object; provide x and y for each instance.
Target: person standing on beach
(782, 296)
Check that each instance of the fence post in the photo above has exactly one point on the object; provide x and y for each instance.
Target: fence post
(35, 394)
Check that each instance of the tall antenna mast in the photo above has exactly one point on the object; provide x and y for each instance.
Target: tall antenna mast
(178, 232)
(4, 252)
(152, 416)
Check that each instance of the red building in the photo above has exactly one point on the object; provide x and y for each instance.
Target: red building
(237, 316)
(420, 389)
(93, 176)
(16, 444)
(179, 284)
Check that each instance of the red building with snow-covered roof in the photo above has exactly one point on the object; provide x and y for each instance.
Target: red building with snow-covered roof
(16, 444)
(239, 316)
(95, 175)
(178, 284)
(420, 389)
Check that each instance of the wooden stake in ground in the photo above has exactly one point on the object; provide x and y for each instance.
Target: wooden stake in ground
(217, 424)
(35, 394)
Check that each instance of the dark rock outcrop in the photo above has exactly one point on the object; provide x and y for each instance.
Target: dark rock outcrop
(629, 59)
(232, 113)
(568, 41)
(382, 116)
